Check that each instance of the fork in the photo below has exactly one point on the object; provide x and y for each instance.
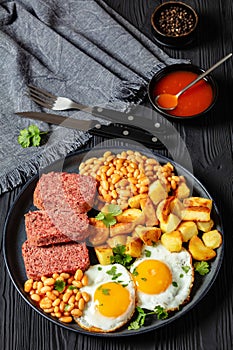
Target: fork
(50, 101)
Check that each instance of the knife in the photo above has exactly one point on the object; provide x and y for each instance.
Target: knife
(95, 127)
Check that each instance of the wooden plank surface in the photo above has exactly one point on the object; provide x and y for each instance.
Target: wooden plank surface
(209, 326)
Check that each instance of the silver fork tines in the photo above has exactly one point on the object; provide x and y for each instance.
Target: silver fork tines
(50, 101)
(41, 97)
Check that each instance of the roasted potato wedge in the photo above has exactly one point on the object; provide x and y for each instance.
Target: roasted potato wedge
(99, 233)
(188, 229)
(172, 241)
(148, 235)
(176, 207)
(157, 192)
(163, 209)
(133, 246)
(117, 240)
(196, 214)
(121, 228)
(199, 251)
(182, 191)
(104, 255)
(134, 202)
(205, 226)
(131, 215)
(171, 224)
(149, 211)
(197, 202)
(212, 239)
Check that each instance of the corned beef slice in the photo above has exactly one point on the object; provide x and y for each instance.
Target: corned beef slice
(64, 191)
(44, 261)
(44, 228)
(41, 230)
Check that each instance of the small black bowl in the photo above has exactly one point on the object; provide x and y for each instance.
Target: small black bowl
(174, 24)
(186, 68)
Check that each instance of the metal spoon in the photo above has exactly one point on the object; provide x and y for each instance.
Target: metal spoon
(174, 98)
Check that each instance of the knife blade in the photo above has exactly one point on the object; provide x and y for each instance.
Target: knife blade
(95, 127)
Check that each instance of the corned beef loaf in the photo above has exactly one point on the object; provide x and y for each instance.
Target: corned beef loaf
(41, 230)
(63, 191)
(44, 261)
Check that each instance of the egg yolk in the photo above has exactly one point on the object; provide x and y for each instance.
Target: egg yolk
(112, 299)
(152, 276)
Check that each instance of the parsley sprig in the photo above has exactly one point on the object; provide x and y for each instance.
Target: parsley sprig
(120, 257)
(140, 320)
(59, 285)
(202, 267)
(109, 214)
(30, 136)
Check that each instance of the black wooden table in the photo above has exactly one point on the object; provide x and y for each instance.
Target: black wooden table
(208, 326)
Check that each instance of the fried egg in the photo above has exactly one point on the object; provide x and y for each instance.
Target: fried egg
(112, 298)
(162, 278)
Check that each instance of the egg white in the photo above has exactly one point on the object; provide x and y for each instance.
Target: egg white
(91, 318)
(180, 265)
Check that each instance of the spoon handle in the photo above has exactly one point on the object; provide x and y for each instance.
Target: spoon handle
(204, 74)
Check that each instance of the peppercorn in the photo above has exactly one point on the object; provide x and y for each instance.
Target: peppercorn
(175, 21)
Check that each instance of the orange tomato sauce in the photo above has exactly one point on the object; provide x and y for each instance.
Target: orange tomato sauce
(193, 101)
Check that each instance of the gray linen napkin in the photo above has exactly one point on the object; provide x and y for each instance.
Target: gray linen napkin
(80, 49)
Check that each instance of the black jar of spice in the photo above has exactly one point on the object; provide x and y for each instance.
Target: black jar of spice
(174, 24)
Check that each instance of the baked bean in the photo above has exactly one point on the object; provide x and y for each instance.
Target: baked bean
(28, 285)
(49, 311)
(66, 319)
(81, 304)
(55, 292)
(78, 296)
(84, 280)
(86, 296)
(35, 297)
(76, 313)
(71, 299)
(78, 275)
(65, 275)
(66, 296)
(56, 302)
(49, 281)
(45, 289)
(45, 303)
(51, 296)
(77, 284)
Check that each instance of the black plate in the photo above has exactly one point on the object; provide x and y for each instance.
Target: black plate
(14, 236)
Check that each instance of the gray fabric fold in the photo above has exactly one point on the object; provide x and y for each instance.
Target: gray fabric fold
(80, 49)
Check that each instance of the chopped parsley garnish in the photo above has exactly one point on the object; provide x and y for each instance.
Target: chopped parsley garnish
(99, 268)
(59, 285)
(113, 273)
(144, 279)
(140, 320)
(186, 268)
(202, 267)
(135, 272)
(66, 308)
(161, 312)
(30, 136)
(106, 291)
(147, 253)
(120, 257)
(108, 217)
(72, 287)
(181, 275)
(174, 284)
